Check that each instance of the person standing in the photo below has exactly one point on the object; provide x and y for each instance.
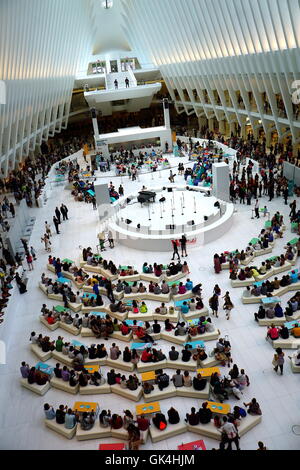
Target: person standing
(171, 177)
(57, 213)
(127, 82)
(121, 190)
(111, 239)
(47, 242)
(29, 261)
(183, 241)
(278, 360)
(33, 253)
(175, 250)
(285, 195)
(12, 209)
(256, 208)
(228, 305)
(101, 237)
(94, 203)
(293, 209)
(116, 84)
(48, 229)
(56, 223)
(64, 212)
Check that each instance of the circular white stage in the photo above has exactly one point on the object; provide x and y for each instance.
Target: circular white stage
(185, 206)
(152, 226)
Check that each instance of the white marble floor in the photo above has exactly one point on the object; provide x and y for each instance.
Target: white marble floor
(21, 412)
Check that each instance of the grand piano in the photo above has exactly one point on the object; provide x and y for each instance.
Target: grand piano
(146, 196)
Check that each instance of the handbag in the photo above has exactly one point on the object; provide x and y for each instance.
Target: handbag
(275, 360)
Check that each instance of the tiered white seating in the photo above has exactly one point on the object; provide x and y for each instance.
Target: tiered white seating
(210, 430)
(134, 395)
(170, 431)
(35, 388)
(62, 385)
(60, 428)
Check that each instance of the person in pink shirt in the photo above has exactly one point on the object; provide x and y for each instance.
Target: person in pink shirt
(181, 289)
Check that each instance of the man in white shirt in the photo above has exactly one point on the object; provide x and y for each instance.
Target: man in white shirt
(231, 433)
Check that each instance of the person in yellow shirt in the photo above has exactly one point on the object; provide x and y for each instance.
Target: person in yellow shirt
(296, 331)
(255, 273)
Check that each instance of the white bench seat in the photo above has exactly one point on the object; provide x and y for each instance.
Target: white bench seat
(209, 362)
(295, 369)
(133, 395)
(97, 432)
(95, 390)
(120, 364)
(157, 395)
(70, 328)
(290, 343)
(141, 316)
(87, 333)
(59, 356)
(43, 356)
(188, 295)
(62, 385)
(207, 336)
(170, 431)
(149, 366)
(60, 428)
(191, 365)
(96, 362)
(35, 388)
(120, 434)
(50, 327)
(209, 430)
(118, 315)
(174, 277)
(150, 277)
(195, 314)
(245, 283)
(170, 336)
(119, 336)
(75, 307)
(190, 392)
(272, 321)
(173, 318)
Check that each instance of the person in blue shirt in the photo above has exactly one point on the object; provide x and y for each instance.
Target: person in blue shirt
(49, 411)
(70, 419)
(189, 284)
(278, 311)
(96, 289)
(185, 308)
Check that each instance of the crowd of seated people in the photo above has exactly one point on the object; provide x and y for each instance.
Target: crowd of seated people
(267, 287)
(265, 237)
(283, 332)
(254, 271)
(33, 374)
(64, 289)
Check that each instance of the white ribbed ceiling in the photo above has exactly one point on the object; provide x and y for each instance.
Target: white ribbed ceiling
(176, 31)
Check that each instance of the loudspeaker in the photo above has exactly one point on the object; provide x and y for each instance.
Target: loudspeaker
(128, 200)
(138, 226)
(191, 222)
(128, 221)
(164, 188)
(166, 103)
(170, 190)
(162, 199)
(217, 204)
(170, 227)
(93, 113)
(205, 217)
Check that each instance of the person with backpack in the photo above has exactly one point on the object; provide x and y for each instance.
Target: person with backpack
(231, 433)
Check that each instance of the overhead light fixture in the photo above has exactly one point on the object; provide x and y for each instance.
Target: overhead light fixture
(259, 122)
(107, 4)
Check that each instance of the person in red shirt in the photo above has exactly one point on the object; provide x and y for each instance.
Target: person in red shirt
(50, 319)
(146, 355)
(143, 336)
(273, 333)
(125, 329)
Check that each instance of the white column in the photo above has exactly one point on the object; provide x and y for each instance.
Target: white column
(167, 125)
(220, 173)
